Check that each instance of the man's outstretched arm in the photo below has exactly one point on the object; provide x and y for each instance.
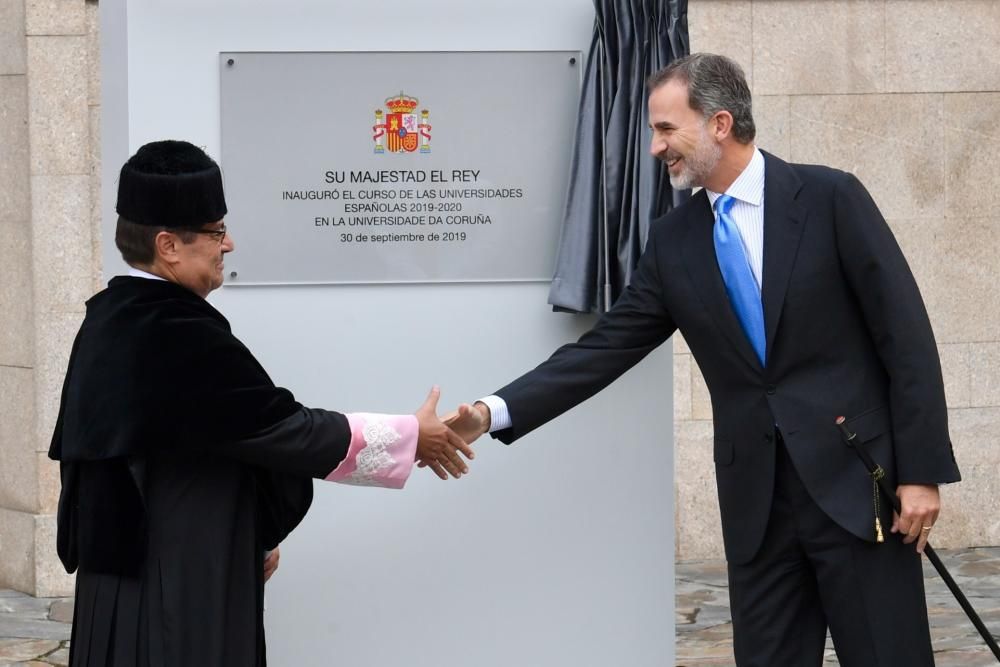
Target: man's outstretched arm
(636, 325)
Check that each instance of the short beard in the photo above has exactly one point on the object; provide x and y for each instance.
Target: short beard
(698, 165)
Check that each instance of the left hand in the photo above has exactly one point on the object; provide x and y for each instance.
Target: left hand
(921, 504)
(271, 563)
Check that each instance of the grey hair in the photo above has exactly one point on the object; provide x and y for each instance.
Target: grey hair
(137, 243)
(715, 83)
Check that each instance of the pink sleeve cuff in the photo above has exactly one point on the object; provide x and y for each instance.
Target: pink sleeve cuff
(381, 453)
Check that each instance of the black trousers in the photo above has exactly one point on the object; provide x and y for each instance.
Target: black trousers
(811, 574)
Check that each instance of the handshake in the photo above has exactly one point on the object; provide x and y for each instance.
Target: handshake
(441, 440)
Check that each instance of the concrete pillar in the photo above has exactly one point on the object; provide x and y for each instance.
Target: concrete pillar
(48, 263)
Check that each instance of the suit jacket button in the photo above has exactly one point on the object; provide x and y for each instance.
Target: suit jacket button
(770, 390)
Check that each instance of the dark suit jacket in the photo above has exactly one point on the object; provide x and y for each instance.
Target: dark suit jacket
(847, 334)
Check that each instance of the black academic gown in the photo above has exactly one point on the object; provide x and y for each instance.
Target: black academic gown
(181, 464)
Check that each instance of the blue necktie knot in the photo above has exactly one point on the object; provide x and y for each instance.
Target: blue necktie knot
(724, 204)
(741, 286)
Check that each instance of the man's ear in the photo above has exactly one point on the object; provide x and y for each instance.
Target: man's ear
(723, 128)
(167, 247)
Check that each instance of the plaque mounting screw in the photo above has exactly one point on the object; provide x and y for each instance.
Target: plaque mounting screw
(572, 61)
(232, 274)
(230, 62)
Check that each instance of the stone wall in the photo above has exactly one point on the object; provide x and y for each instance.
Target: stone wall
(49, 97)
(905, 94)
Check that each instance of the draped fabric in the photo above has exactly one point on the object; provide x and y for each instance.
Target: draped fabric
(616, 187)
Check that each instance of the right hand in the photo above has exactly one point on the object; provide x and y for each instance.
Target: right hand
(469, 421)
(437, 445)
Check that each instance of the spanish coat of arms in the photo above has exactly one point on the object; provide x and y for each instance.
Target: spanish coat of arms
(402, 130)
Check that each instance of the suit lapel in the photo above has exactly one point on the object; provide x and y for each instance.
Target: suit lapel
(784, 220)
(703, 267)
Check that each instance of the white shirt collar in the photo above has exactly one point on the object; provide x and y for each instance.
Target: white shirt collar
(139, 273)
(749, 185)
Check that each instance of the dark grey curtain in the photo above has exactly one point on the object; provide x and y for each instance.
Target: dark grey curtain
(616, 187)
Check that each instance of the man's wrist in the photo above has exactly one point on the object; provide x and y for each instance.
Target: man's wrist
(485, 414)
(498, 412)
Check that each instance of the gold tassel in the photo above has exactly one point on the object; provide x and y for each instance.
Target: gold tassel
(876, 476)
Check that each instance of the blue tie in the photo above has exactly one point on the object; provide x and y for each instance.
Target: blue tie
(744, 294)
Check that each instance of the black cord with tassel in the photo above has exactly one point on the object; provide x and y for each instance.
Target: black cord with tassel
(878, 477)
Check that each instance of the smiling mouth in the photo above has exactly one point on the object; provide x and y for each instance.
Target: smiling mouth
(672, 162)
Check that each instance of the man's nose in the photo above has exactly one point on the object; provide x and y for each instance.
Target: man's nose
(656, 146)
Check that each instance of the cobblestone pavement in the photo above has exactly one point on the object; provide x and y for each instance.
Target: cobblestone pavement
(704, 630)
(35, 631)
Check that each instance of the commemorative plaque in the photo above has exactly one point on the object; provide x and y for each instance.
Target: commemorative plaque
(396, 167)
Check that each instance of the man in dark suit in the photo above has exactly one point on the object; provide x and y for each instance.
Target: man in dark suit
(798, 307)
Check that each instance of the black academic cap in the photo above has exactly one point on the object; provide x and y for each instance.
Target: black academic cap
(171, 184)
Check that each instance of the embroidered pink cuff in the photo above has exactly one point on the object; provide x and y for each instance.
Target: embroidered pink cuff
(381, 453)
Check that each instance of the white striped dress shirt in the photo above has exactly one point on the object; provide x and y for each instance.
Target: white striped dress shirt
(747, 213)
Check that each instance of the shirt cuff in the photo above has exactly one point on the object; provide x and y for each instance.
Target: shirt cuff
(499, 415)
(381, 453)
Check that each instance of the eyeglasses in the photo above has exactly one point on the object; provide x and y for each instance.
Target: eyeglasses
(218, 234)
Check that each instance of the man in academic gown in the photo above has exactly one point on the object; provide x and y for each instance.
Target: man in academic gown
(181, 462)
(799, 307)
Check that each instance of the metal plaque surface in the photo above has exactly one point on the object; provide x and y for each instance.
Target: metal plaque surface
(396, 167)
